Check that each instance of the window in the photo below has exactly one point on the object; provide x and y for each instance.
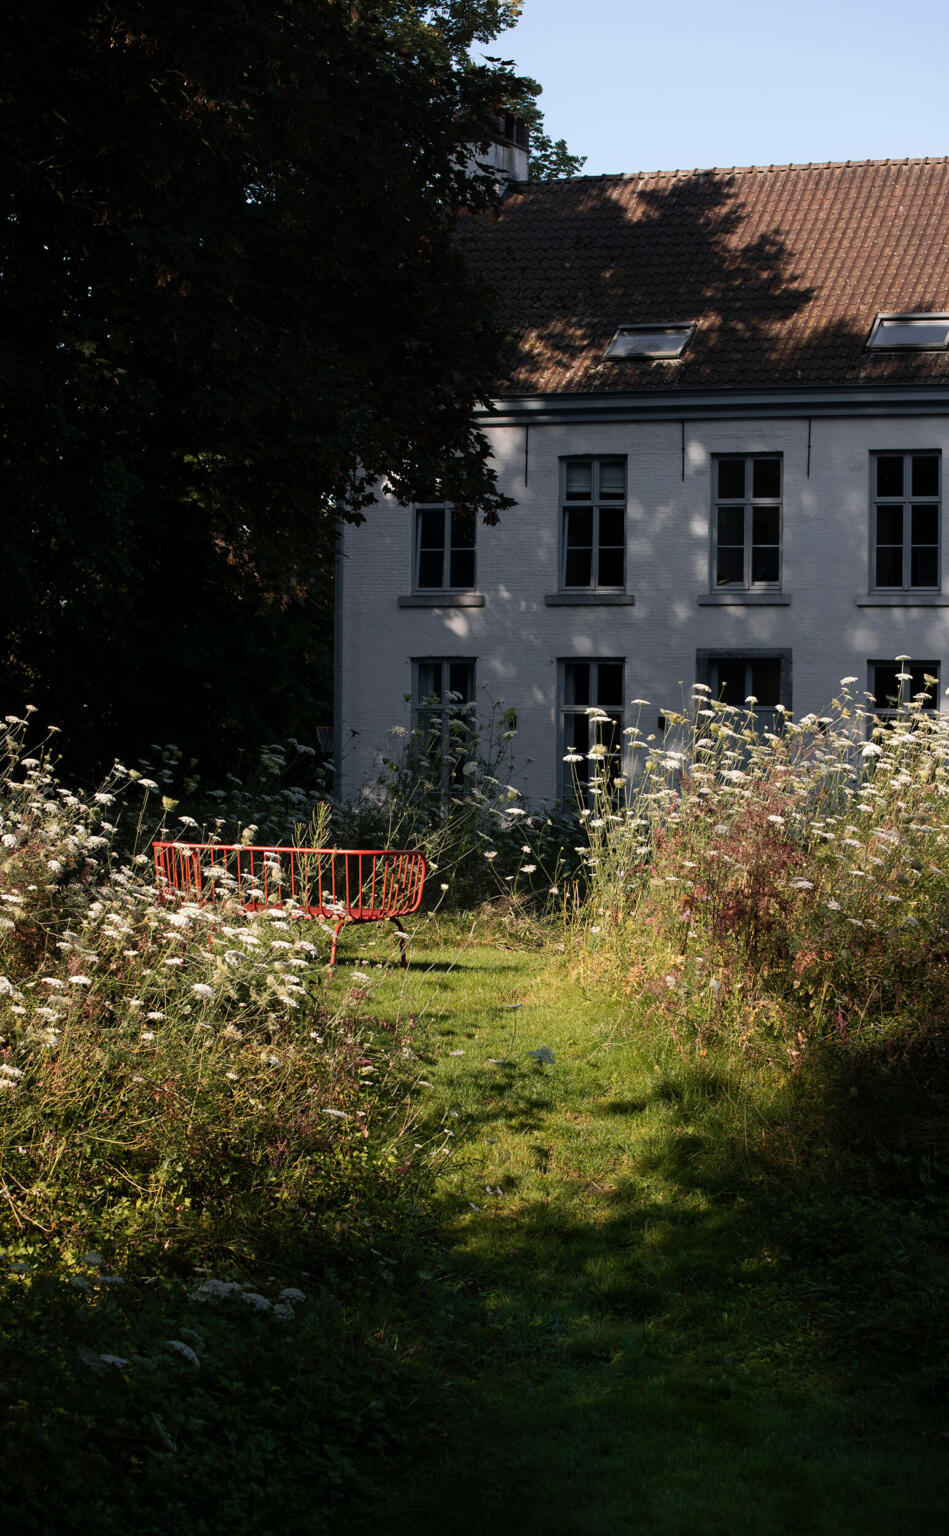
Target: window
(591, 724)
(734, 677)
(593, 556)
(906, 495)
(909, 333)
(746, 526)
(443, 692)
(894, 684)
(652, 341)
(444, 549)
(515, 129)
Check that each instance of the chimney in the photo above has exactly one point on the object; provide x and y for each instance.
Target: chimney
(505, 152)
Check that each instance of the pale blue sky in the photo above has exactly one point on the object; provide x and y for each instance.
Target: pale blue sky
(663, 86)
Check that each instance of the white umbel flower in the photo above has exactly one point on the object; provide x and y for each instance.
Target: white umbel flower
(184, 1350)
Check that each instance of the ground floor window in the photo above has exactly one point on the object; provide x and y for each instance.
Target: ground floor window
(894, 684)
(591, 725)
(443, 708)
(759, 681)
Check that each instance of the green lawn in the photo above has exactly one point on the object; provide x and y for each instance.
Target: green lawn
(622, 1321)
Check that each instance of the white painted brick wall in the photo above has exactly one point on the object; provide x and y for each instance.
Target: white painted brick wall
(516, 640)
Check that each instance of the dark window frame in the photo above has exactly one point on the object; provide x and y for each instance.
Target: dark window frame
(905, 502)
(435, 712)
(748, 503)
(597, 503)
(574, 779)
(706, 662)
(450, 547)
(906, 691)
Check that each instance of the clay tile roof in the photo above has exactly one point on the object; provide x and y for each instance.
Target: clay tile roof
(783, 267)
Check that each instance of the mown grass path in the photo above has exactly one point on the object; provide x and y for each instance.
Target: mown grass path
(637, 1332)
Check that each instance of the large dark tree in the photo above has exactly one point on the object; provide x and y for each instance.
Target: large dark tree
(231, 303)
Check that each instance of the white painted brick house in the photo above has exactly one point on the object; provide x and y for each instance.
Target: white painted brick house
(724, 433)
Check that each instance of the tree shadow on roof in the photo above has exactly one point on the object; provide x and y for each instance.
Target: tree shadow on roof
(772, 291)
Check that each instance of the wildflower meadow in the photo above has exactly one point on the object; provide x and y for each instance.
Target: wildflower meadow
(656, 1115)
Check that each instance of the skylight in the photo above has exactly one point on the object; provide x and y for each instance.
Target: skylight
(651, 341)
(909, 333)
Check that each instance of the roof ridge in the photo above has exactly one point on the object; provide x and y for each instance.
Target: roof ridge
(733, 170)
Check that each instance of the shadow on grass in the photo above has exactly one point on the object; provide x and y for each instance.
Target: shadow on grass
(723, 1338)
(704, 1323)
(143, 1407)
(420, 965)
(612, 1107)
(687, 1343)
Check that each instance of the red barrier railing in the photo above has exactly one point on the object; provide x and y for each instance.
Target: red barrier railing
(338, 885)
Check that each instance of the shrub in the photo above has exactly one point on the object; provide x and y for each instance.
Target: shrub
(455, 800)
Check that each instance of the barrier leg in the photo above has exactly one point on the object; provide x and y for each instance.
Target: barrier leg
(402, 938)
(342, 922)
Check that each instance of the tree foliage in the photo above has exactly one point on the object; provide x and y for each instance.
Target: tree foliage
(231, 303)
(550, 159)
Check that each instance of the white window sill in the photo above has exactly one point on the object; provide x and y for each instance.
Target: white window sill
(443, 600)
(739, 597)
(901, 600)
(589, 599)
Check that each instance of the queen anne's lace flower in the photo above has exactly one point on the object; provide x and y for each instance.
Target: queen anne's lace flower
(184, 1350)
(255, 1300)
(216, 1289)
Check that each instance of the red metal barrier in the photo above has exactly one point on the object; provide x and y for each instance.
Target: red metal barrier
(338, 885)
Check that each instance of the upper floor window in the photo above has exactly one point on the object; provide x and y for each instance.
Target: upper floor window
(444, 549)
(746, 526)
(905, 518)
(591, 724)
(913, 332)
(593, 553)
